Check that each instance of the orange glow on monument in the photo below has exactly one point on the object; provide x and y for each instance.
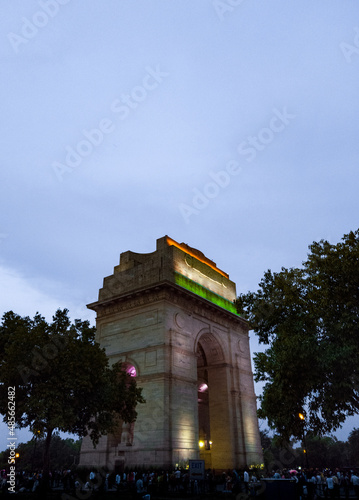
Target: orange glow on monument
(200, 275)
(195, 254)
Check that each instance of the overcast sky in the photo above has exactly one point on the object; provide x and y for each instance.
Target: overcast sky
(230, 125)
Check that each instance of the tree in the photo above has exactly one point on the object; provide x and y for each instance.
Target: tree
(309, 318)
(61, 379)
(326, 451)
(353, 442)
(277, 453)
(63, 454)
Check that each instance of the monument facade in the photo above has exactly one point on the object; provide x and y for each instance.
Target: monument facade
(169, 317)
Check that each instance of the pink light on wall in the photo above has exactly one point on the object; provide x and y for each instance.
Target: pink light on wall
(131, 370)
(203, 388)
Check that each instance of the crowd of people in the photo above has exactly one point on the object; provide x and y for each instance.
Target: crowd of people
(31, 481)
(323, 484)
(141, 485)
(309, 485)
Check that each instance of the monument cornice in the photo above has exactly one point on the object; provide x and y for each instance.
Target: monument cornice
(165, 290)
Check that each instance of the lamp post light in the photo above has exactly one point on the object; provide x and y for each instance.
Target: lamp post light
(305, 451)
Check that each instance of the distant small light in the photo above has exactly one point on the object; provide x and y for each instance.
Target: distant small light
(203, 387)
(201, 444)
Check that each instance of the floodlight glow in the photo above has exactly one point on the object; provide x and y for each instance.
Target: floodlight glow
(187, 250)
(131, 370)
(205, 293)
(203, 387)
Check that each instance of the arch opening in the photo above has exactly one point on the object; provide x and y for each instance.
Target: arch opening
(203, 392)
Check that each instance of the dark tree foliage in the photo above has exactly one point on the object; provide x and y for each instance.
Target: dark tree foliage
(326, 451)
(309, 318)
(320, 452)
(62, 379)
(64, 454)
(353, 442)
(278, 454)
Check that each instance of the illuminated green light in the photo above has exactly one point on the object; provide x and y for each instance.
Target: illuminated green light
(203, 292)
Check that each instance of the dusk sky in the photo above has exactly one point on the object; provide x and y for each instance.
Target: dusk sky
(229, 125)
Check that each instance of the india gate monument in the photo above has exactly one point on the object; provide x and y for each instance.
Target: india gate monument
(169, 317)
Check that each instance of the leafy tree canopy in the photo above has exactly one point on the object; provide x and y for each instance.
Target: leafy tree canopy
(309, 318)
(62, 379)
(320, 452)
(353, 441)
(64, 454)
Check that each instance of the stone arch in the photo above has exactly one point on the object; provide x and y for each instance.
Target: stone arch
(128, 364)
(131, 367)
(175, 323)
(208, 344)
(209, 354)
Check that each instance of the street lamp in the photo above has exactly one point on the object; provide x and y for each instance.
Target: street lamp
(302, 418)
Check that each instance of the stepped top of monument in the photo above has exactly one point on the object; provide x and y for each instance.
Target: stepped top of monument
(173, 262)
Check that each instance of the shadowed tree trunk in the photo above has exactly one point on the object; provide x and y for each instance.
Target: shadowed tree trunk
(45, 483)
(47, 451)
